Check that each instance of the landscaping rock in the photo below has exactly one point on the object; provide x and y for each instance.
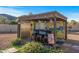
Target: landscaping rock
(10, 50)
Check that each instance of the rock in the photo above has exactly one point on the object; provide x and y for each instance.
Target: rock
(10, 50)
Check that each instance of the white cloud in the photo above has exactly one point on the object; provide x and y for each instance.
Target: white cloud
(17, 12)
(11, 11)
(73, 16)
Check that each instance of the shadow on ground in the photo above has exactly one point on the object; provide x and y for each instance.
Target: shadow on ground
(71, 46)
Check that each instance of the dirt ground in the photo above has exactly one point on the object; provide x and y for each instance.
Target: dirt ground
(6, 40)
(72, 43)
(73, 37)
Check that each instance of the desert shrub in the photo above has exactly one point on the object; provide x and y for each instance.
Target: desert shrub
(13, 22)
(55, 50)
(36, 47)
(33, 47)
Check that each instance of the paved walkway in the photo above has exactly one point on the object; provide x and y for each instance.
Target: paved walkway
(72, 44)
(69, 48)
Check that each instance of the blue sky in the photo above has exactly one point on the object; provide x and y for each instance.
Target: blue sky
(72, 12)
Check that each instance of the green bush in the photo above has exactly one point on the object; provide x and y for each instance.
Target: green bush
(17, 42)
(60, 34)
(55, 50)
(13, 22)
(35, 47)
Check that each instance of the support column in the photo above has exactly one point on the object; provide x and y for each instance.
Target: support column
(65, 29)
(18, 30)
(55, 29)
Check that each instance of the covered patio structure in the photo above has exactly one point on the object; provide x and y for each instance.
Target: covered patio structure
(45, 21)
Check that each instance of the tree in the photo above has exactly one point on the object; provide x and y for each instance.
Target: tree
(73, 22)
(2, 19)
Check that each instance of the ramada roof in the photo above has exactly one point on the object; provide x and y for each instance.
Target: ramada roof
(42, 16)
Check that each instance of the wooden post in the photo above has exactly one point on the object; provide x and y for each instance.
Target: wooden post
(18, 30)
(65, 29)
(55, 29)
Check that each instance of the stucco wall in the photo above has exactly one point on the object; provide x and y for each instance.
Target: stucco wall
(6, 28)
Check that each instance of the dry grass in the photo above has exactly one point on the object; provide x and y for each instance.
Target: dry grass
(6, 40)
